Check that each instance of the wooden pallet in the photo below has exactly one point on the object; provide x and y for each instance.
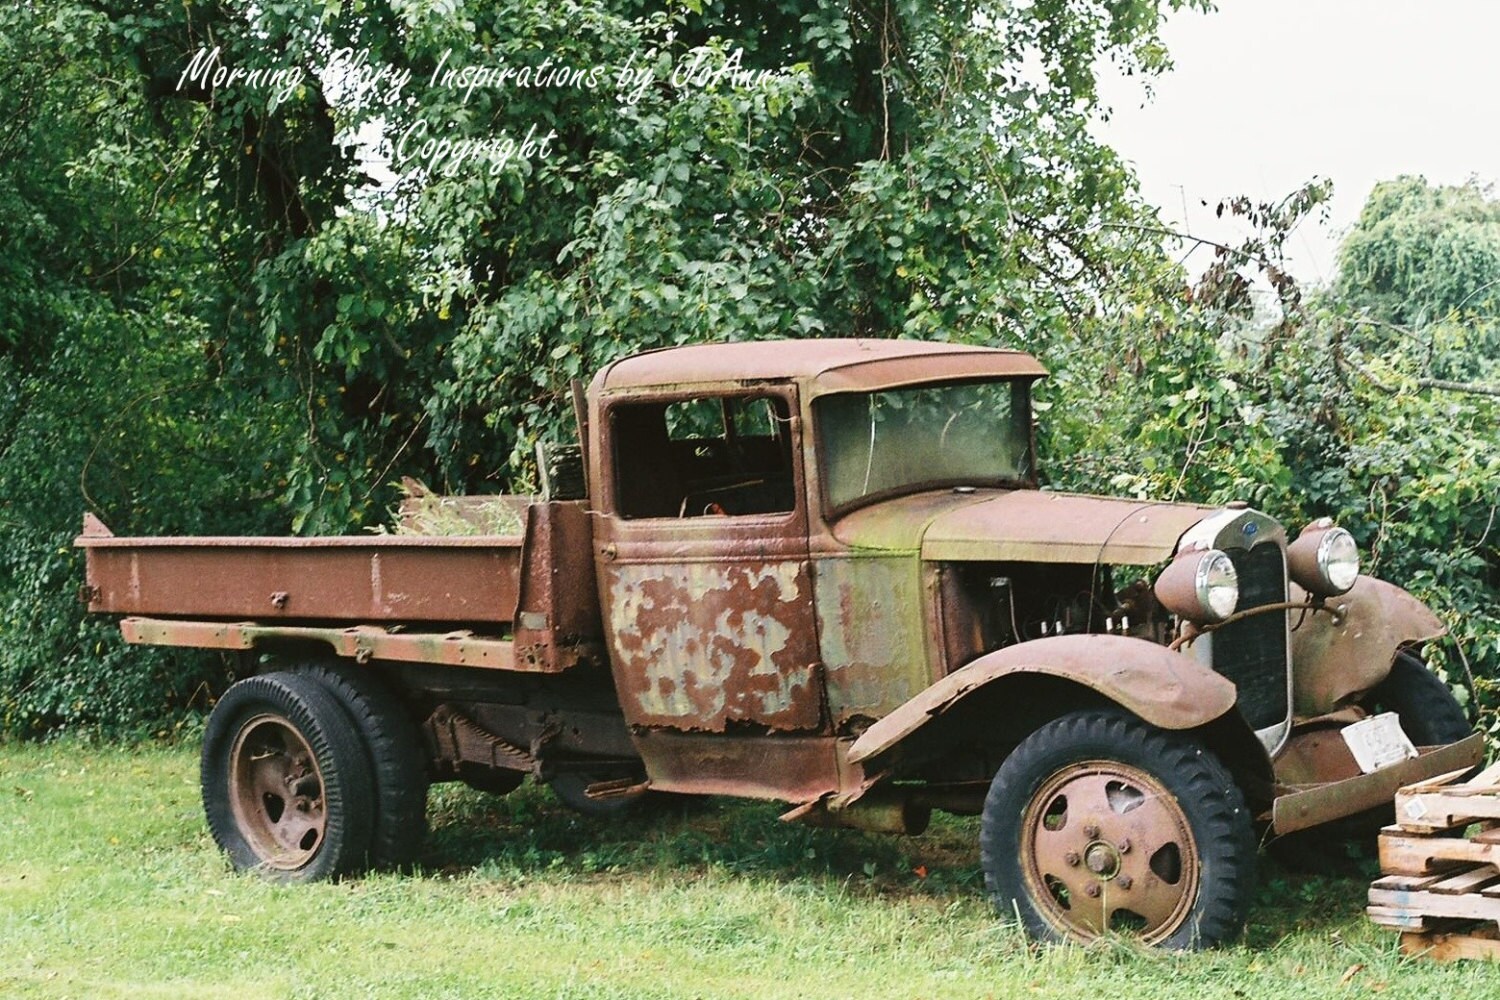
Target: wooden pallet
(1444, 803)
(1428, 852)
(1441, 865)
(1442, 946)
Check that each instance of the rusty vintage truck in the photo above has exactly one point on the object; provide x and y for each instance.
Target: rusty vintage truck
(819, 572)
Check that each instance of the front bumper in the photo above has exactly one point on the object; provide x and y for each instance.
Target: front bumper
(1298, 807)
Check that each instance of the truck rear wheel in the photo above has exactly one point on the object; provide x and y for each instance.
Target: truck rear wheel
(286, 785)
(1099, 823)
(394, 751)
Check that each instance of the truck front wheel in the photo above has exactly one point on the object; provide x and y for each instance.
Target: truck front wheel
(286, 784)
(1429, 713)
(1098, 823)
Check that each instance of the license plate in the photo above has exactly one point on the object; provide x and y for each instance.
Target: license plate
(1378, 741)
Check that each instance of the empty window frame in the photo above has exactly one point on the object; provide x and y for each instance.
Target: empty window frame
(702, 457)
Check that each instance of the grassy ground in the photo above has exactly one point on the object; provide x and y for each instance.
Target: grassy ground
(110, 886)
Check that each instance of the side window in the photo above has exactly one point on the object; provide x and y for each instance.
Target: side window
(705, 456)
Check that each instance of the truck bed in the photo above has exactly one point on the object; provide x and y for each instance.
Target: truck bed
(372, 578)
(536, 588)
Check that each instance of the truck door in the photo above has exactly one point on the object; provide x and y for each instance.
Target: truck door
(703, 568)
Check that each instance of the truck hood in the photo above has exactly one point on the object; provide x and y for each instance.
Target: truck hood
(1033, 526)
(1023, 526)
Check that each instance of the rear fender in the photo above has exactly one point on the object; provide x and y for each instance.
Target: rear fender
(1165, 688)
(1336, 658)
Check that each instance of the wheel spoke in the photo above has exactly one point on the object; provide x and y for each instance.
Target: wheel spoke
(1087, 793)
(267, 775)
(1153, 899)
(1052, 848)
(301, 827)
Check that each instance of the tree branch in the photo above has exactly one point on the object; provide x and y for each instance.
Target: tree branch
(1463, 387)
(1442, 384)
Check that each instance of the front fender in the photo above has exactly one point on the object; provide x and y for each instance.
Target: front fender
(1165, 688)
(1332, 663)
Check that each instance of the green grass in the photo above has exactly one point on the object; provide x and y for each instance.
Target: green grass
(110, 886)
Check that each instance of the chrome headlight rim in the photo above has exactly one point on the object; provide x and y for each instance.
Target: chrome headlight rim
(1324, 560)
(1339, 568)
(1200, 585)
(1217, 584)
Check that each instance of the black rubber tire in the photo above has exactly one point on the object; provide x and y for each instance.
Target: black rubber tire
(1429, 713)
(490, 780)
(1200, 797)
(300, 709)
(398, 763)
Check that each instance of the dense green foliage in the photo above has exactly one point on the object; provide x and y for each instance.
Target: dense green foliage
(1411, 333)
(1426, 260)
(115, 391)
(217, 315)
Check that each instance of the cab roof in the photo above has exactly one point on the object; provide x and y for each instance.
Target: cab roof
(829, 365)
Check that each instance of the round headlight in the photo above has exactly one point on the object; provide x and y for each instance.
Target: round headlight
(1200, 586)
(1338, 558)
(1324, 559)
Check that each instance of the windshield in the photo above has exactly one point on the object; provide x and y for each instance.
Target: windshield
(899, 440)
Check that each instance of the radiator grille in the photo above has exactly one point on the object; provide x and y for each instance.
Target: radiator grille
(1252, 652)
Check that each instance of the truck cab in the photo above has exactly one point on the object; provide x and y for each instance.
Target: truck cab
(737, 604)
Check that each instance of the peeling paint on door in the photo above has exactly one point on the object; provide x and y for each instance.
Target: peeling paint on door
(702, 645)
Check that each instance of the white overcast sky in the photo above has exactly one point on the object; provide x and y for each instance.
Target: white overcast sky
(1269, 93)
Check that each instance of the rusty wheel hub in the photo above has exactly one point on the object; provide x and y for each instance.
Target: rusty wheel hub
(1105, 847)
(1103, 860)
(276, 792)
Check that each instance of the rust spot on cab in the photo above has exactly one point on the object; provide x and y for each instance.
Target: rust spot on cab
(701, 645)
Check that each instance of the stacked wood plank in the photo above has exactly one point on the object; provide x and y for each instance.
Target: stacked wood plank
(1441, 865)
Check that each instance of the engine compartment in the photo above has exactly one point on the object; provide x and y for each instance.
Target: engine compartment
(985, 606)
